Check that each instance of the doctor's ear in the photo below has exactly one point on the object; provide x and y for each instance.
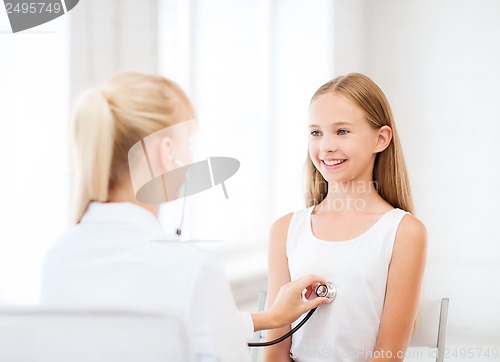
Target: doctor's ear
(384, 138)
(165, 154)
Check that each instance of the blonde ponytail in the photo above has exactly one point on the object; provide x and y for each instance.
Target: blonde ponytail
(109, 120)
(93, 137)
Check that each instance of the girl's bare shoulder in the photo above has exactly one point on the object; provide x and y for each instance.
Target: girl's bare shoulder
(280, 226)
(411, 234)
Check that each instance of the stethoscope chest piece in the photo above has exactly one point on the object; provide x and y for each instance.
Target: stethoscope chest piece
(327, 290)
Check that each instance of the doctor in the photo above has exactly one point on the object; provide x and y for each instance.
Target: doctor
(109, 256)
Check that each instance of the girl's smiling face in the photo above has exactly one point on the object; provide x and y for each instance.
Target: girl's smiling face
(342, 145)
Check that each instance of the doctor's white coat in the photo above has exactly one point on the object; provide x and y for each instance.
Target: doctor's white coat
(110, 259)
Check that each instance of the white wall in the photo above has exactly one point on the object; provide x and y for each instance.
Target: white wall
(438, 63)
(112, 36)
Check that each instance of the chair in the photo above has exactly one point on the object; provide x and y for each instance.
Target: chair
(40, 334)
(259, 335)
(431, 328)
(430, 331)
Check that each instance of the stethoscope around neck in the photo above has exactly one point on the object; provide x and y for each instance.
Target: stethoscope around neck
(327, 290)
(179, 163)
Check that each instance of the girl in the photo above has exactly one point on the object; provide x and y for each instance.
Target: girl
(109, 257)
(357, 231)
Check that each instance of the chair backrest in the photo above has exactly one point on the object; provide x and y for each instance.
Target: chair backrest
(35, 334)
(259, 335)
(432, 324)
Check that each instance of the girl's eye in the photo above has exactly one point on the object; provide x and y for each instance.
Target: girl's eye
(342, 132)
(314, 133)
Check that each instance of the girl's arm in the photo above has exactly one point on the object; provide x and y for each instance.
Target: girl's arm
(278, 276)
(404, 282)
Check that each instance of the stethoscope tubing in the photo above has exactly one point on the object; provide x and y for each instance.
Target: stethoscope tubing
(327, 290)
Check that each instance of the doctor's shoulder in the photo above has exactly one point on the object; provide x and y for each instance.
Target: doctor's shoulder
(65, 241)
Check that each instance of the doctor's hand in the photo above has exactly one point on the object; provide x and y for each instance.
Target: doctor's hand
(289, 305)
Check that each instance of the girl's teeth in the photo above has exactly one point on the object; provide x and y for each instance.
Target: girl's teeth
(332, 163)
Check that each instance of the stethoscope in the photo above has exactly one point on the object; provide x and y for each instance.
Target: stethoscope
(178, 231)
(327, 290)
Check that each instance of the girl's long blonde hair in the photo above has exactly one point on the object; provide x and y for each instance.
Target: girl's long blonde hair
(389, 171)
(109, 119)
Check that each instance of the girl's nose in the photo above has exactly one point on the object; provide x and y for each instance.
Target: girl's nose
(327, 145)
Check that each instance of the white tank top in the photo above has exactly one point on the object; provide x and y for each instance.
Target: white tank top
(347, 328)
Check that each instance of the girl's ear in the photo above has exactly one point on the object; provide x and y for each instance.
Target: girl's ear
(384, 138)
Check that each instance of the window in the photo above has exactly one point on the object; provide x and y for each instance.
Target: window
(34, 153)
(250, 67)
